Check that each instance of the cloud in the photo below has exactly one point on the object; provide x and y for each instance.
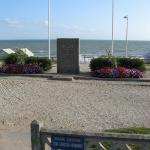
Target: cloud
(74, 28)
(67, 27)
(11, 22)
(65, 30)
(46, 23)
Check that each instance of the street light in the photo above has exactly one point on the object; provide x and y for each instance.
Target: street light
(112, 49)
(49, 53)
(127, 19)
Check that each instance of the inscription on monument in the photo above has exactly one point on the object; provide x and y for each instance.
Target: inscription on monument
(67, 143)
(68, 56)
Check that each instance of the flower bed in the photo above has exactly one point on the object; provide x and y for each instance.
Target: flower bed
(20, 69)
(19, 57)
(119, 72)
(112, 62)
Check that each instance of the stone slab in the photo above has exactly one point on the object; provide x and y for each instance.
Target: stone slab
(68, 56)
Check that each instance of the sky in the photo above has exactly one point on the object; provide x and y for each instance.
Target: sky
(85, 19)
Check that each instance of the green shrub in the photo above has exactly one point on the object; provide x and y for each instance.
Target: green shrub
(21, 58)
(111, 62)
(11, 59)
(131, 63)
(17, 58)
(102, 62)
(31, 60)
(43, 62)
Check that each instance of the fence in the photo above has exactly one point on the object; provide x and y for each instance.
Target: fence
(72, 140)
(86, 58)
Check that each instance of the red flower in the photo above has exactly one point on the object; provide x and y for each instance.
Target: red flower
(120, 72)
(20, 69)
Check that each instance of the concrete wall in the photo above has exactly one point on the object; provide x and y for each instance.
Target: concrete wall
(68, 56)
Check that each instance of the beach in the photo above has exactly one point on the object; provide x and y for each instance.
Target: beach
(76, 105)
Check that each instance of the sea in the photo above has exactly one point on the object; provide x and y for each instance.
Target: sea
(87, 47)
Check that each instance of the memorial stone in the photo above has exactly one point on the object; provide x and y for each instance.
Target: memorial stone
(68, 56)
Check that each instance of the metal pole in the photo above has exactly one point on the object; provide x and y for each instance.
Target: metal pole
(49, 53)
(126, 17)
(112, 50)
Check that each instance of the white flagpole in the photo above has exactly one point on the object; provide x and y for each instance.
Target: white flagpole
(126, 17)
(112, 49)
(49, 53)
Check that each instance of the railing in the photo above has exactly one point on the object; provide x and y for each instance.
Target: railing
(72, 140)
(85, 58)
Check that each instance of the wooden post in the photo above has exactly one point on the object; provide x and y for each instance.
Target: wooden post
(35, 135)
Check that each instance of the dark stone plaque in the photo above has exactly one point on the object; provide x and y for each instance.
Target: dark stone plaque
(68, 56)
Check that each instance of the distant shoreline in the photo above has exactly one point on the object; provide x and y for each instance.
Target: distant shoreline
(80, 39)
(94, 47)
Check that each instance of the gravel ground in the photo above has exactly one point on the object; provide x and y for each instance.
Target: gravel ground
(76, 105)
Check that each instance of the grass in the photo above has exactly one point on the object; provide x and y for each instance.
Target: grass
(145, 131)
(130, 130)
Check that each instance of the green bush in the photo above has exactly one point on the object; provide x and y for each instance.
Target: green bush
(21, 58)
(11, 59)
(111, 62)
(17, 58)
(43, 62)
(131, 63)
(102, 62)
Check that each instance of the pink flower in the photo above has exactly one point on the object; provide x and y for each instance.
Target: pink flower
(120, 72)
(20, 69)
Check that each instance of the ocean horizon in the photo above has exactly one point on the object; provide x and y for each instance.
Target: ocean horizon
(94, 47)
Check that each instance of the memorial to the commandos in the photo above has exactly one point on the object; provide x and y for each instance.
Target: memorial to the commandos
(68, 56)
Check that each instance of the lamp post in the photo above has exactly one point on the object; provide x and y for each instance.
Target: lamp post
(49, 53)
(127, 19)
(112, 49)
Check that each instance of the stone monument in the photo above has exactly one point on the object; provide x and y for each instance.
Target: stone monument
(68, 56)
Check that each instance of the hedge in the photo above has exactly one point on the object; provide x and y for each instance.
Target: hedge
(102, 62)
(16, 58)
(129, 63)
(43, 62)
(21, 58)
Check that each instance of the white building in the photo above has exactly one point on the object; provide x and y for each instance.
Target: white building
(27, 51)
(5, 52)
